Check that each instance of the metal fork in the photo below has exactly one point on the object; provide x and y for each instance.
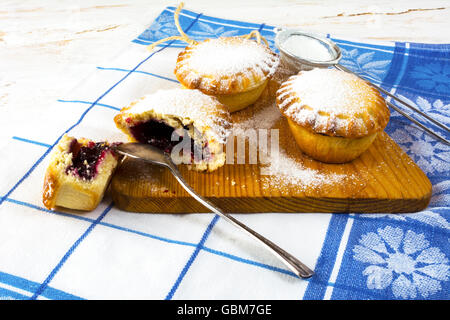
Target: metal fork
(156, 156)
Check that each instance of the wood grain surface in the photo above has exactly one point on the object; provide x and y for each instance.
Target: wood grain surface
(65, 41)
(382, 179)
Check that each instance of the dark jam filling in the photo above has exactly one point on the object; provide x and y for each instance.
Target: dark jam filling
(160, 135)
(85, 159)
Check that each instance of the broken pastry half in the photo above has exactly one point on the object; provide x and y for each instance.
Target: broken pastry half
(78, 173)
(235, 70)
(179, 121)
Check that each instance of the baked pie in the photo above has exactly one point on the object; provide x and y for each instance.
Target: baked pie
(233, 69)
(78, 173)
(179, 120)
(334, 115)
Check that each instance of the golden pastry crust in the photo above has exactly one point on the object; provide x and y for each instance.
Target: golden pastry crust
(333, 115)
(205, 119)
(333, 103)
(330, 149)
(225, 65)
(65, 189)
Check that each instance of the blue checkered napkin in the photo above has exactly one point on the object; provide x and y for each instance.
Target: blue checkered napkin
(108, 253)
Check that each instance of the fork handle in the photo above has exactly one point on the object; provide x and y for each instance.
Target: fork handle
(296, 266)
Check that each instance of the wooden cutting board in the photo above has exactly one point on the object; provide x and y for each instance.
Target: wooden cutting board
(382, 179)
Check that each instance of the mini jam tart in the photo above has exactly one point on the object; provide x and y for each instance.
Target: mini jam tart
(166, 118)
(233, 69)
(78, 174)
(334, 116)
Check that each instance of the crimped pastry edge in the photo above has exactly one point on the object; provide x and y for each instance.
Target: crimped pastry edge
(230, 84)
(357, 126)
(177, 122)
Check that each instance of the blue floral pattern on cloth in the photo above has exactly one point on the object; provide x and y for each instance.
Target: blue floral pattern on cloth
(365, 64)
(363, 256)
(206, 27)
(402, 260)
(392, 256)
(432, 76)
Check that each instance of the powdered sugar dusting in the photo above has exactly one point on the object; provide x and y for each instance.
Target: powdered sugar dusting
(286, 170)
(333, 102)
(205, 111)
(223, 57)
(264, 118)
(307, 48)
(332, 91)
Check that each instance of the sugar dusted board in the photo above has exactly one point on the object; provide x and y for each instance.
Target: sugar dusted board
(382, 179)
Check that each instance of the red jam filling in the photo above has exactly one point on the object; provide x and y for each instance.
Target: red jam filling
(85, 159)
(159, 134)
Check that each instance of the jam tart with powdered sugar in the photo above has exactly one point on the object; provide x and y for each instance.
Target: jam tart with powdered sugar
(166, 118)
(333, 115)
(235, 70)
